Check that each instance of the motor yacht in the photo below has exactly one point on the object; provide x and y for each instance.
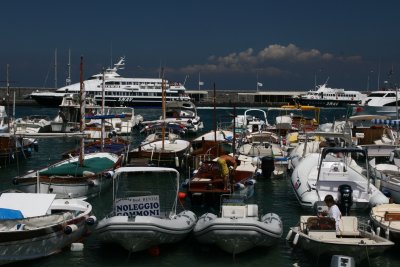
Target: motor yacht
(119, 91)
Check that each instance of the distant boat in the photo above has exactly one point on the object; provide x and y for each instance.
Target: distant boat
(163, 152)
(325, 96)
(33, 124)
(82, 176)
(382, 102)
(119, 91)
(4, 123)
(185, 113)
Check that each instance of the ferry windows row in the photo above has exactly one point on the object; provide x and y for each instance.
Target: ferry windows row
(341, 95)
(133, 94)
(110, 83)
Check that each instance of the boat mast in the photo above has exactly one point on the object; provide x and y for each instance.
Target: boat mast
(82, 106)
(55, 69)
(234, 131)
(68, 80)
(8, 98)
(215, 117)
(102, 110)
(163, 107)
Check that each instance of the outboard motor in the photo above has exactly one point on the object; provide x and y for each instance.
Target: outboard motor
(345, 198)
(267, 166)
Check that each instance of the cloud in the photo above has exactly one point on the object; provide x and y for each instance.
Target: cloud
(270, 60)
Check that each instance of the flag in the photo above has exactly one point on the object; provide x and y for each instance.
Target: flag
(201, 83)
(259, 84)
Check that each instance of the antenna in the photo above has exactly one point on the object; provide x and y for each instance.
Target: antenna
(68, 80)
(111, 55)
(184, 82)
(257, 81)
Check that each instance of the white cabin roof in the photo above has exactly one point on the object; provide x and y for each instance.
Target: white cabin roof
(30, 205)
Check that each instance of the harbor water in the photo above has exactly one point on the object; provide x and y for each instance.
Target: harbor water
(272, 195)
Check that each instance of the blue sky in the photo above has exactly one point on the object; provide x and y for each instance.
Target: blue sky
(288, 45)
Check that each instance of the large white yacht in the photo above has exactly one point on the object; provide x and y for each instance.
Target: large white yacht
(119, 91)
(382, 98)
(325, 96)
(382, 102)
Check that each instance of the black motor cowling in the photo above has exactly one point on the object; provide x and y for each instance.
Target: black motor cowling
(345, 198)
(267, 166)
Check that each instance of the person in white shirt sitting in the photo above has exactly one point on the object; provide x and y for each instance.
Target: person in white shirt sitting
(333, 210)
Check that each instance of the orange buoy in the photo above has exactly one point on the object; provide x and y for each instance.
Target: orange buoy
(181, 195)
(154, 251)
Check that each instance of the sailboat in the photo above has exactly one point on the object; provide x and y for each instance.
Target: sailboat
(82, 176)
(163, 152)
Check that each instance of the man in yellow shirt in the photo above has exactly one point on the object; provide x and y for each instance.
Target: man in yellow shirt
(224, 162)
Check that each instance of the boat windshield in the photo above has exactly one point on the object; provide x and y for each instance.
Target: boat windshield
(376, 94)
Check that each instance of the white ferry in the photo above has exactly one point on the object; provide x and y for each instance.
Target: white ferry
(119, 91)
(331, 97)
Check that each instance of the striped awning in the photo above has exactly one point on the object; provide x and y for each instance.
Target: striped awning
(386, 122)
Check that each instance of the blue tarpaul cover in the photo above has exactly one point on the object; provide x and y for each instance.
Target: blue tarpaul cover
(9, 214)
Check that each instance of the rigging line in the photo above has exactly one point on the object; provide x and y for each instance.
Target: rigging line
(47, 75)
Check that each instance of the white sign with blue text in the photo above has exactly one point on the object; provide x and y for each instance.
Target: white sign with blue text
(138, 206)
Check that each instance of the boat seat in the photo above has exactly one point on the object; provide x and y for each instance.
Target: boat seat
(233, 211)
(252, 210)
(348, 226)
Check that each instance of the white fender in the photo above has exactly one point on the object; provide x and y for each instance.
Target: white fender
(91, 220)
(76, 247)
(93, 182)
(289, 235)
(69, 229)
(296, 239)
(378, 231)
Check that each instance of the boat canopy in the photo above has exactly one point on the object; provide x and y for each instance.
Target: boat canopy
(328, 150)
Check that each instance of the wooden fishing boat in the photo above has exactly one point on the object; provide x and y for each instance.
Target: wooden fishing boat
(37, 225)
(207, 185)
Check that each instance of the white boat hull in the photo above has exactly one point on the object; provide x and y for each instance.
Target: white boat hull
(144, 232)
(236, 235)
(349, 246)
(309, 190)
